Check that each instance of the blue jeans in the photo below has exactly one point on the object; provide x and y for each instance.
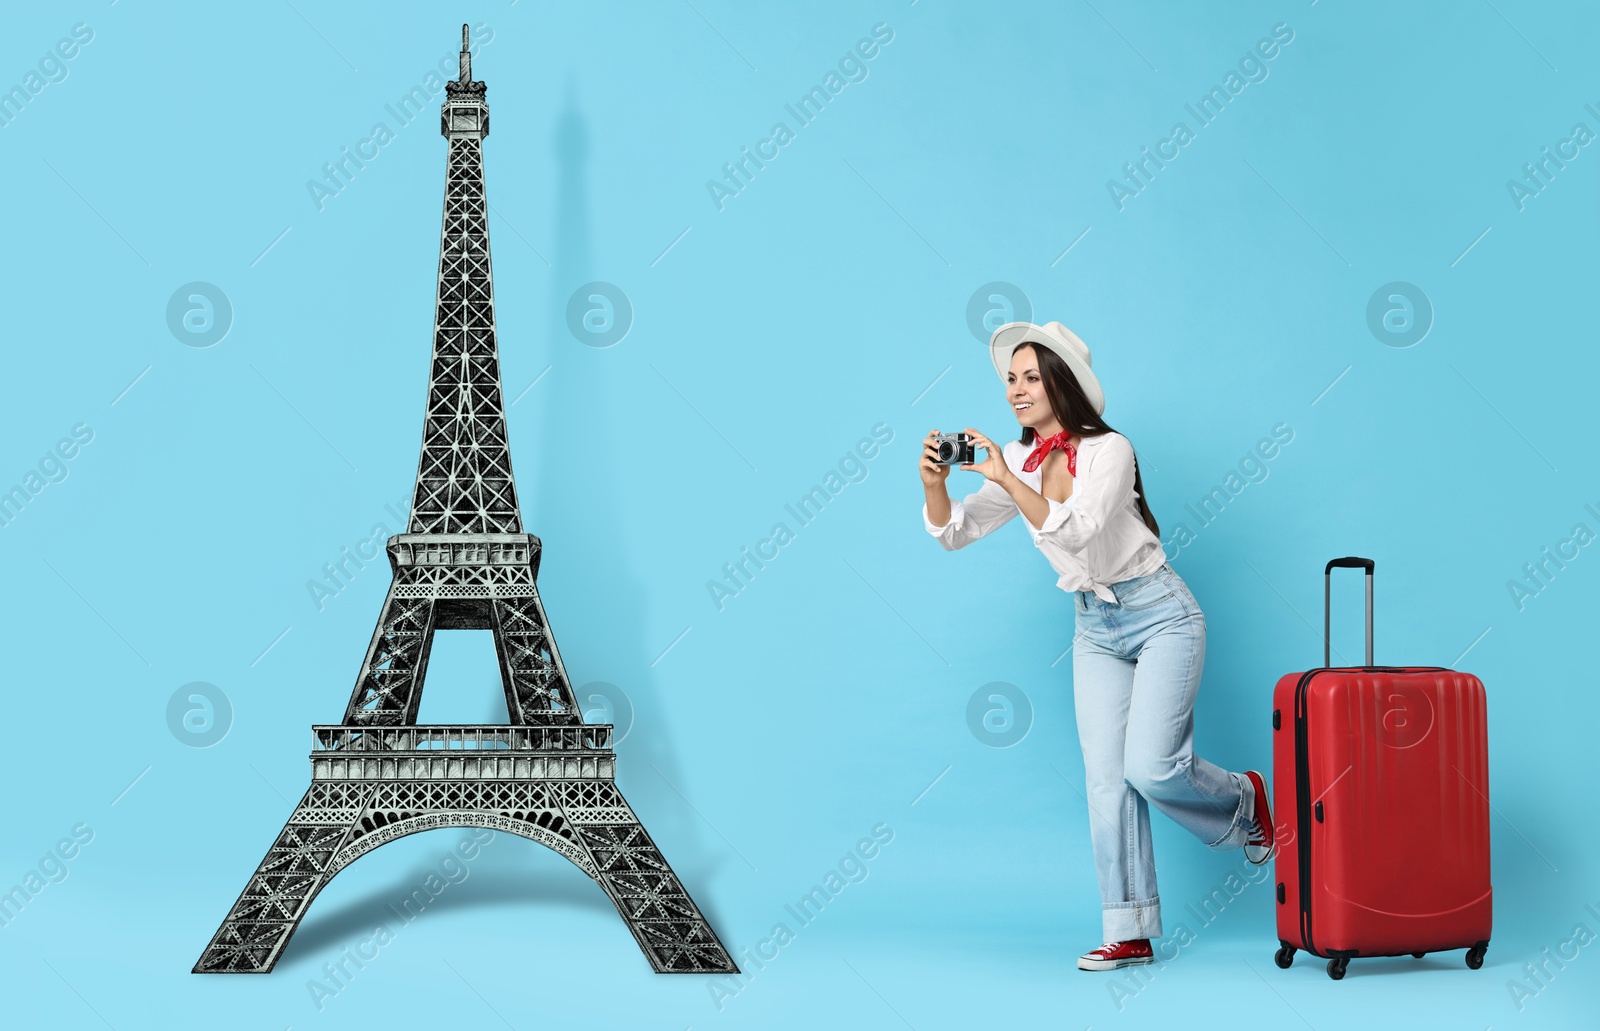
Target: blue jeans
(1135, 671)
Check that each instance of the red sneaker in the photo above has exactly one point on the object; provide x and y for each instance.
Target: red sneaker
(1117, 954)
(1260, 847)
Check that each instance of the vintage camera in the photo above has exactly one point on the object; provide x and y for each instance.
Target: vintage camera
(953, 449)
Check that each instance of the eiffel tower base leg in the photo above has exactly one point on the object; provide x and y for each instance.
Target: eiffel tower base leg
(585, 820)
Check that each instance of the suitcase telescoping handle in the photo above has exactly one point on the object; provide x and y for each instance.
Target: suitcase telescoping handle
(1350, 562)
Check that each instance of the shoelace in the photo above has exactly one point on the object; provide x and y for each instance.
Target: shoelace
(1108, 948)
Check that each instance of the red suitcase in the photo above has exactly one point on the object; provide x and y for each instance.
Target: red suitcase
(1381, 808)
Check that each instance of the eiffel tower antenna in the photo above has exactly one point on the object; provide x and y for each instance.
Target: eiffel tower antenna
(464, 562)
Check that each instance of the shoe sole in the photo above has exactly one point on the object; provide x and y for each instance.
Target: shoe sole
(1271, 853)
(1112, 964)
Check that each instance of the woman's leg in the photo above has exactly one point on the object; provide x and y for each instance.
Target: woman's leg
(1204, 799)
(1119, 819)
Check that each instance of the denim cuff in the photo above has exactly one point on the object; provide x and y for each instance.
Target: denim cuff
(1237, 830)
(1125, 921)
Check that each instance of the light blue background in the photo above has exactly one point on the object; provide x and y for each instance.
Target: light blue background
(831, 694)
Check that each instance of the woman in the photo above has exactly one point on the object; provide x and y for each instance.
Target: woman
(1140, 638)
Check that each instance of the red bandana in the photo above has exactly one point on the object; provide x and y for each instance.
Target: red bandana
(1044, 445)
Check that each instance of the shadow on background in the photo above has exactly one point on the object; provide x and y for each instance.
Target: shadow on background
(647, 757)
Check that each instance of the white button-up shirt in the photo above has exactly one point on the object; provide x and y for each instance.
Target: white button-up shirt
(1093, 539)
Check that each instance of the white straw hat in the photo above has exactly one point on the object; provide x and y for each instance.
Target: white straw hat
(1057, 338)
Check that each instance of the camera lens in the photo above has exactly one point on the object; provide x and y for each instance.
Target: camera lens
(946, 450)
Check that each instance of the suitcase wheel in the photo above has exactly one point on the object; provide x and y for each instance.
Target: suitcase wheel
(1284, 956)
(1475, 955)
(1418, 955)
(1336, 966)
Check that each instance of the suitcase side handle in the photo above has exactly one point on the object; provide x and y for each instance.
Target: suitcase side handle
(1348, 562)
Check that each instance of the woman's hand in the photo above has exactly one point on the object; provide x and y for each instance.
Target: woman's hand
(993, 466)
(933, 474)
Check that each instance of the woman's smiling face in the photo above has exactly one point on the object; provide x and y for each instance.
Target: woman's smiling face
(1025, 392)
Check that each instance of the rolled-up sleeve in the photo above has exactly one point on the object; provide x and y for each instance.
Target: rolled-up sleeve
(1059, 511)
(1105, 487)
(976, 515)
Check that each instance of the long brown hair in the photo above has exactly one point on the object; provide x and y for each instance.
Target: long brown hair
(1073, 410)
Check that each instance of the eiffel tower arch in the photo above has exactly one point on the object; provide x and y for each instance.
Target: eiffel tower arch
(464, 562)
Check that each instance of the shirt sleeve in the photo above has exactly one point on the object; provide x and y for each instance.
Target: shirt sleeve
(1105, 487)
(974, 516)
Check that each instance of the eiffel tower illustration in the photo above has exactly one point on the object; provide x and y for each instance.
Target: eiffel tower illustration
(464, 563)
